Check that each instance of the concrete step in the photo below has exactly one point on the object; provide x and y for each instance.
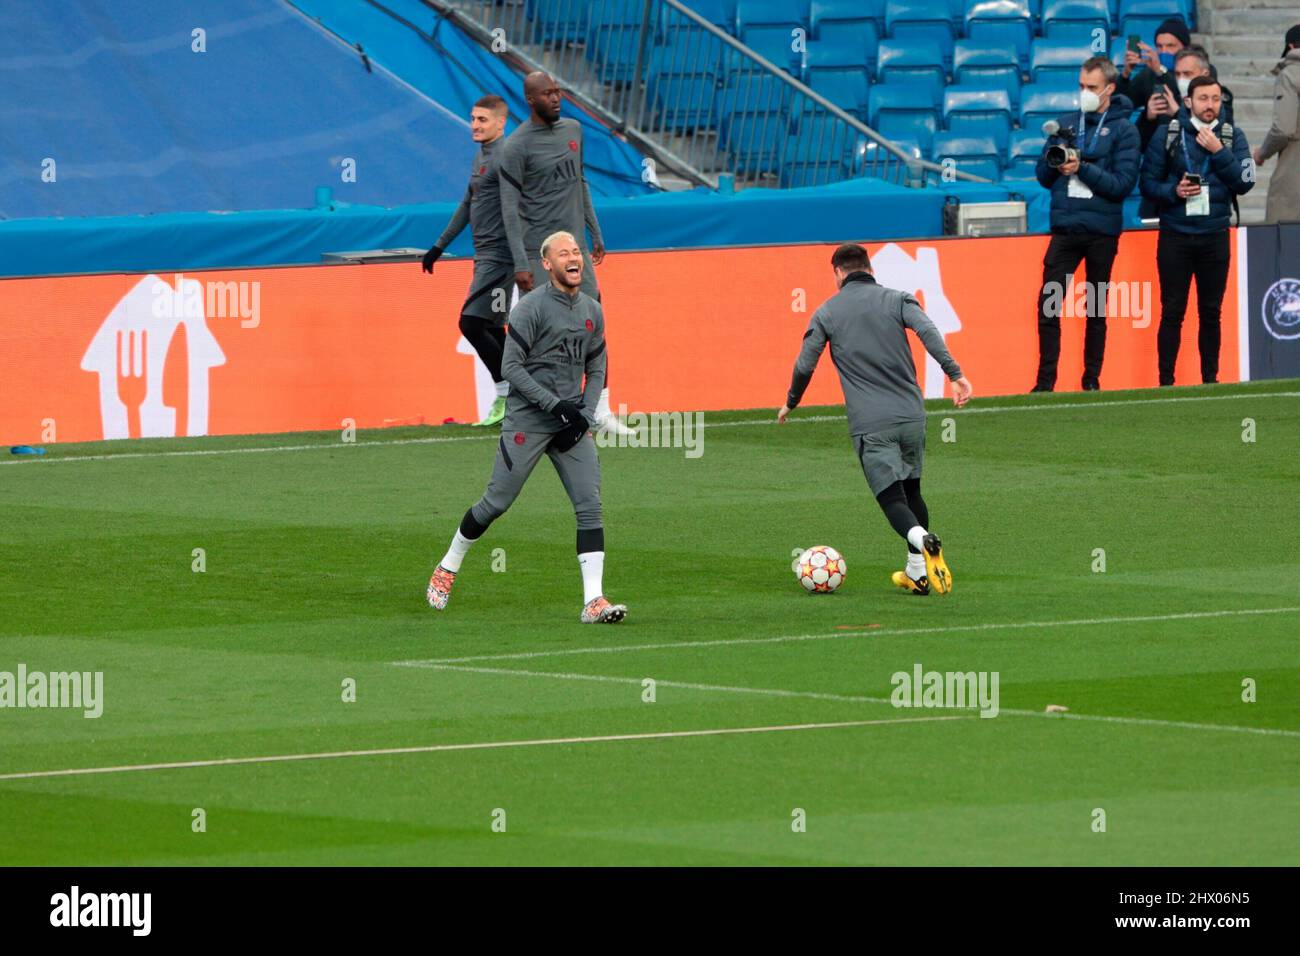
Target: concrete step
(1235, 65)
(1203, 7)
(1252, 114)
(1247, 86)
(1272, 20)
(1257, 46)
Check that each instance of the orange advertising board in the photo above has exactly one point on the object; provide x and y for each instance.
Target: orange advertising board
(309, 348)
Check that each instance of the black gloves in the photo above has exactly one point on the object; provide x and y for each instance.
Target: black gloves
(570, 413)
(566, 439)
(430, 258)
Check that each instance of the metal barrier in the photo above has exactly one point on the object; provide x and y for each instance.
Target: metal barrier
(692, 95)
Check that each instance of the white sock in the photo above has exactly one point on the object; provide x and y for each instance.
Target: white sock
(460, 546)
(916, 536)
(915, 566)
(602, 406)
(503, 388)
(593, 569)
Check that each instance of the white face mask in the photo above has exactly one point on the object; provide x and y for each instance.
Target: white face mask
(1089, 101)
(1183, 83)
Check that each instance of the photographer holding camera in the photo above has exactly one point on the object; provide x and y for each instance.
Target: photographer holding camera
(1193, 174)
(1090, 163)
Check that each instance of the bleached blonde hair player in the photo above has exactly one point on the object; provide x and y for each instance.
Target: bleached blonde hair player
(554, 360)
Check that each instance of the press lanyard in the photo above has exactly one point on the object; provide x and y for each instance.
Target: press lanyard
(1204, 170)
(1083, 130)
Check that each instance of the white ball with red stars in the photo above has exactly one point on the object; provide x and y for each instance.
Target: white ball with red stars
(820, 569)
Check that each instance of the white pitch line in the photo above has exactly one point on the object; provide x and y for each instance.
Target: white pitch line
(885, 631)
(857, 699)
(484, 745)
(806, 420)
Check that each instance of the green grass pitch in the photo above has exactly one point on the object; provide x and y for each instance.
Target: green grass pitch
(317, 554)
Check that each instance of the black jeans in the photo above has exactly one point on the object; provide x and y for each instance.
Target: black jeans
(1178, 259)
(1064, 254)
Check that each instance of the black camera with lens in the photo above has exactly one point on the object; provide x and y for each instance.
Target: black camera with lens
(1058, 154)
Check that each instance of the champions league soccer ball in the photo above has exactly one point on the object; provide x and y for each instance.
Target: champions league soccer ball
(820, 569)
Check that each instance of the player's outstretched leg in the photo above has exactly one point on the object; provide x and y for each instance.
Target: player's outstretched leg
(923, 547)
(489, 342)
(596, 608)
(914, 577)
(444, 575)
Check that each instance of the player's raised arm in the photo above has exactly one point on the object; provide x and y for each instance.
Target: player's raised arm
(814, 341)
(518, 344)
(511, 172)
(920, 323)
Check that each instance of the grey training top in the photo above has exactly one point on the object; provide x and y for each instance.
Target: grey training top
(866, 325)
(553, 340)
(481, 208)
(543, 189)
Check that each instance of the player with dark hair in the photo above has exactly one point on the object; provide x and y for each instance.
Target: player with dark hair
(543, 190)
(483, 316)
(866, 326)
(556, 338)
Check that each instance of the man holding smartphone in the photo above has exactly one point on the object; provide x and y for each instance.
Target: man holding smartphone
(1193, 186)
(1138, 84)
(1168, 98)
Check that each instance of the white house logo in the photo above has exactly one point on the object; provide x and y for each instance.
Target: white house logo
(130, 352)
(1281, 309)
(921, 277)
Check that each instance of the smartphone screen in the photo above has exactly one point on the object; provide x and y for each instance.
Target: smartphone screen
(1133, 41)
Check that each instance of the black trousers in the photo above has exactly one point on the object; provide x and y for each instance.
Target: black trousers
(1064, 253)
(1179, 259)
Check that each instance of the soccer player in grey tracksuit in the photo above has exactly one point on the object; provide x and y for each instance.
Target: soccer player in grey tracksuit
(556, 338)
(483, 316)
(866, 326)
(543, 190)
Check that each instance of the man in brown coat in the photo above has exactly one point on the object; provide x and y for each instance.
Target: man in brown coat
(1283, 139)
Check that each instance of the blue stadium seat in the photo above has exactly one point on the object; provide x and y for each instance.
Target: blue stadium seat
(820, 150)
(861, 34)
(682, 81)
(911, 61)
(839, 74)
(556, 21)
(978, 111)
(775, 46)
(778, 15)
(976, 60)
(613, 33)
(872, 159)
(1056, 56)
(921, 21)
(1143, 16)
(1082, 35)
(1022, 157)
(1085, 14)
(754, 121)
(977, 155)
(824, 13)
(1037, 105)
(904, 109)
(721, 13)
(1001, 22)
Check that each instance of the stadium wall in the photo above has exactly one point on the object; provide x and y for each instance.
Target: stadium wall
(311, 348)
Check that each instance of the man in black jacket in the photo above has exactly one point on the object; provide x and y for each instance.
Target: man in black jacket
(1170, 92)
(1088, 191)
(1193, 184)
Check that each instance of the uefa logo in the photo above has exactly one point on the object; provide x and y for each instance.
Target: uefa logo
(1281, 309)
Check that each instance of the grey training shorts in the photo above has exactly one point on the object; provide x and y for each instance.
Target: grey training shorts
(891, 454)
(491, 292)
